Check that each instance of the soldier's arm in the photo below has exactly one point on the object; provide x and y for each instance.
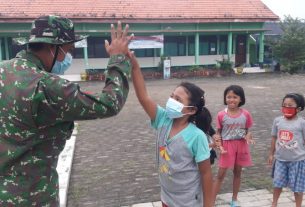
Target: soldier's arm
(58, 100)
(65, 101)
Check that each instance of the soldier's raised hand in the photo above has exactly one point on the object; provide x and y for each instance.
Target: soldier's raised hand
(119, 40)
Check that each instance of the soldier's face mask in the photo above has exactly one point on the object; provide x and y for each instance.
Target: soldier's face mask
(61, 67)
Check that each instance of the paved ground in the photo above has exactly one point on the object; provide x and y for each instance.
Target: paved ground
(114, 159)
(251, 198)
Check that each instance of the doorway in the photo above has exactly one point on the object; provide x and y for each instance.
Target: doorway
(241, 52)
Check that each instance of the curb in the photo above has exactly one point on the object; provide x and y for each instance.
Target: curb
(64, 167)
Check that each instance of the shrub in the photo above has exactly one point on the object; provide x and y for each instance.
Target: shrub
(224, 64)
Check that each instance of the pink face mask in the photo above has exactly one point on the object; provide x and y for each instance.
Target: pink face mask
(289, 112)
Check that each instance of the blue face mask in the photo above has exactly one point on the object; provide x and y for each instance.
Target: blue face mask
(174, 109)
(61, 67)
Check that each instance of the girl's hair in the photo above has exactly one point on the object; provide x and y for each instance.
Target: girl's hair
(238, 90)
(298, 98)
(202, 118)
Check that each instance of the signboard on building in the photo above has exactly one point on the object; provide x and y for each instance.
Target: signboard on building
(144, 42)
(81, 44)
(167, 69)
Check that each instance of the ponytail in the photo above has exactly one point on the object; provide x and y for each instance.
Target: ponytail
(203, 120)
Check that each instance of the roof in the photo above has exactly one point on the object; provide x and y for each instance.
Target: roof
(139, 11)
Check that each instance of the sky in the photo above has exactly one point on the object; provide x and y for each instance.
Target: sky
(294, 8)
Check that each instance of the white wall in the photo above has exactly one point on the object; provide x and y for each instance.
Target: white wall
(211, 59)
(78, 65)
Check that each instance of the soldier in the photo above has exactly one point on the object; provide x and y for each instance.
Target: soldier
(37, 108)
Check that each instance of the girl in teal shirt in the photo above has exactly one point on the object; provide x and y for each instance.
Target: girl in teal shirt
(183, 153)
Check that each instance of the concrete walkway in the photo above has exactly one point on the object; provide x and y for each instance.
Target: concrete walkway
(250, 198)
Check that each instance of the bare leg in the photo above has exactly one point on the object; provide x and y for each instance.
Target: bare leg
(276, 194)
(298, 199)
(236, 181)
(218, 181)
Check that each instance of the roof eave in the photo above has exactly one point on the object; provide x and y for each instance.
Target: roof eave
(146, 20)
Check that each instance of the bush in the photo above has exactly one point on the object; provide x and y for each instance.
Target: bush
(193, 68)
(224, 64)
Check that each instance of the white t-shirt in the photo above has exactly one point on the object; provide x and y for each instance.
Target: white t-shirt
(290, 136)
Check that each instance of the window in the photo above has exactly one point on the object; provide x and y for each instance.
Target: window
(96, 48)
(223, 44)
(208, 45)
(191, 48)
(15, 49)
(174, 46)
(78, 53)
(145, 52)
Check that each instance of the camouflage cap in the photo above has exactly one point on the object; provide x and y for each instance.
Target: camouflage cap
(52, 29)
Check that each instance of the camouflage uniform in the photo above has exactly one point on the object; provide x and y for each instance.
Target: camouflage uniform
(37, 110)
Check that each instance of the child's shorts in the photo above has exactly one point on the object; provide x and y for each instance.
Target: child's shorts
(238, 153)
(164, 205)
(289, 174)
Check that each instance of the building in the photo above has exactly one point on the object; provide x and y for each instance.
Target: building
(195, 32)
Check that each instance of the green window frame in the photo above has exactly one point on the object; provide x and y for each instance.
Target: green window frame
(96, 48)
(148, 52)
(207, 45)
(191, 45)
(223, 44)
(175, 45)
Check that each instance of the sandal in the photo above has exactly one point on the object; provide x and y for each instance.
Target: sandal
(235, 203)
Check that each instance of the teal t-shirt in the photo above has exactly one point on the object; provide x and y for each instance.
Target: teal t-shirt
(177, 161)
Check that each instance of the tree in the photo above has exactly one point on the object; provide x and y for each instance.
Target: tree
(289, 49)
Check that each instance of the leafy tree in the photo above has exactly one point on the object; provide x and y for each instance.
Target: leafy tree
(289, 49)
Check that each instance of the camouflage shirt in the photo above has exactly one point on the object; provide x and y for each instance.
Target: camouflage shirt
(37, 110)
